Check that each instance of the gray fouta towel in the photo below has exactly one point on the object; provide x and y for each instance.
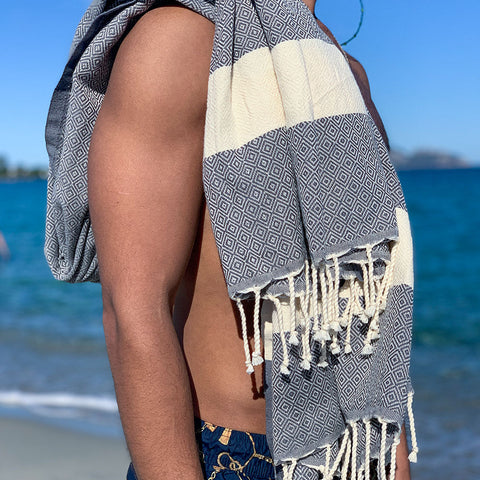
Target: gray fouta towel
(308, 215)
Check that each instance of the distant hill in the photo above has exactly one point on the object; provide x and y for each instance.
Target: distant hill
(427, 160)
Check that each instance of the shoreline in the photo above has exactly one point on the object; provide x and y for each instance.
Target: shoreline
(30, 448)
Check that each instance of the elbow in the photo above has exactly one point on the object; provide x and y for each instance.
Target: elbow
(134, 321)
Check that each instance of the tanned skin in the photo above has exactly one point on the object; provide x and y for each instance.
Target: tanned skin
(172, 333)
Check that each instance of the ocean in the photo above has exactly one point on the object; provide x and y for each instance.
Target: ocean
(53, 363)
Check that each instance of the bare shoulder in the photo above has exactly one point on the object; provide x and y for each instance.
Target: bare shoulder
(145, 156)
(163, 62)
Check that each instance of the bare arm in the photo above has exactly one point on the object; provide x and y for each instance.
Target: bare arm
(145, 192)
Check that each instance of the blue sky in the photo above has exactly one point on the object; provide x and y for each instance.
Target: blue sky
(422, 58)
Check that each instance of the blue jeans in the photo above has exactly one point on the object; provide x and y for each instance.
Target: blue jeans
(227, 454)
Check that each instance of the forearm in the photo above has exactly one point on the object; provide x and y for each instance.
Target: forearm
(154, 397)
(402, 470)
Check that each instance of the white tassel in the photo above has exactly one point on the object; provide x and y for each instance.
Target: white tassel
(330, 307)
(360, 473)
(322, 362)
(388, 278)
(246, 346)
(326, 472)
(357, 308)
(286, 362)
(289, 470)
(383, 452)
(353, 475)
(307, 284)
(343, 446)
(371, 306)
(333, 323)
(336, 294)
(350, 306)
(393, 457)
(256, 355)
(293, 340)
(304, 303)
(315, 302)
(324, 333)
(366, 291)
(367, 348)
(347, 312)
(413, 454)
(367, 447)
(346, 462)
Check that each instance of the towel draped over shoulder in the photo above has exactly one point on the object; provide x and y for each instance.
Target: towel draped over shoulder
(307, 212)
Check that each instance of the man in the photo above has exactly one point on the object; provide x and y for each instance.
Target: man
(172, 333)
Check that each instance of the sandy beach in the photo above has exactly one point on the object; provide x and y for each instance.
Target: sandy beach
(37, 451)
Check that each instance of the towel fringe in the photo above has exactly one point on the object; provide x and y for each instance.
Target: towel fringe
(324, 334)
(293, 338)
(368, 433)
(353, 425)
(315, 329)
(346, 464)
(320, 318)
(256, 355)
(326, 471)
(344, 446)
(288, 470)
(246, 346)
(411, 421)
(304, 304)
(383, 453)
(393, 457)
(286, 362)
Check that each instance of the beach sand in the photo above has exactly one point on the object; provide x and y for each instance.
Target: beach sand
(37, 451)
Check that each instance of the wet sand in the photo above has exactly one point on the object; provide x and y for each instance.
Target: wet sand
(37, 451)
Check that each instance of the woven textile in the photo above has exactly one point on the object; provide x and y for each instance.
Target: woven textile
(308, 215)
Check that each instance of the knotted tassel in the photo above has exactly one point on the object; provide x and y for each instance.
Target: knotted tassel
(368, 427)
(286, 361)
(383, 450)
(293, 340)
(304, 303)
(343, 447)
(371, 305)
(393, 457)
(413, 454)
(388, 278)
(256, 355)
(346, 462)
(246, 347)
(315, 328)
(353, 475)
(324, 334)
(366, 295)
(349, 316)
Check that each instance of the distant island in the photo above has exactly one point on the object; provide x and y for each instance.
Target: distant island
(427, 160)
(418, 160)
(19, 173)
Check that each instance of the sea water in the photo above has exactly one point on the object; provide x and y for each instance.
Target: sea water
(53, 362)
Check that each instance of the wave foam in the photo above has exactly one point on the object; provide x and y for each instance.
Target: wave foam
(58, 400)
